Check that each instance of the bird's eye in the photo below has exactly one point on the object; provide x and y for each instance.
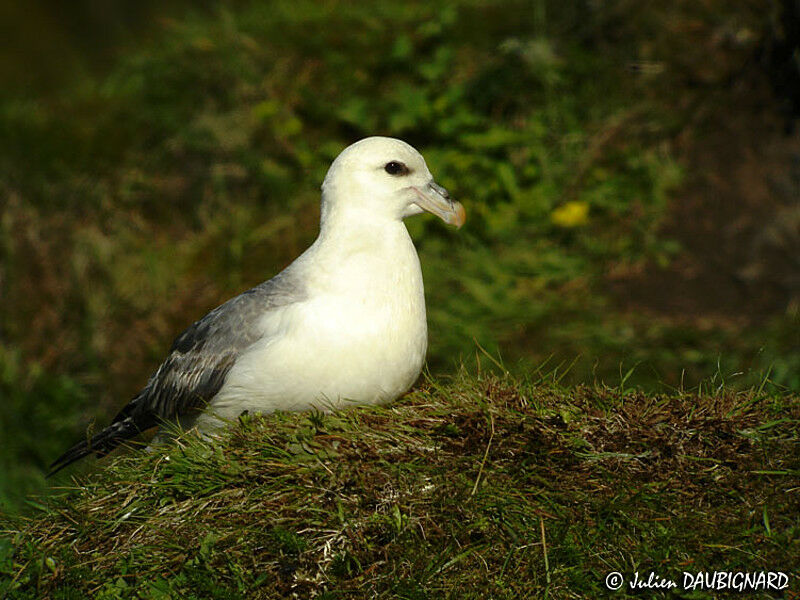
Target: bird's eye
(396, 168)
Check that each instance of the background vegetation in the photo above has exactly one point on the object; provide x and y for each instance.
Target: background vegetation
(630, 174)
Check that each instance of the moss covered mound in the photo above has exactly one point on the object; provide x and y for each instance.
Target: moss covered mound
(481, 487)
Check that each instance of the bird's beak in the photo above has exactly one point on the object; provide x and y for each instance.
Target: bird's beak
(435, 199)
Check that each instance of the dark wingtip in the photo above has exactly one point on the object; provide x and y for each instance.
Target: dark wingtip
(103, 442)
(74, 454)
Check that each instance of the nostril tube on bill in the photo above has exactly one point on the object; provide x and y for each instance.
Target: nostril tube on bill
(439, 190)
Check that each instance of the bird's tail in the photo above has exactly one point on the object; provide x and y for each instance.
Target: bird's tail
(101, 443)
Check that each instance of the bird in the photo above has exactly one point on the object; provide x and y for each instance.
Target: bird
(344, 323)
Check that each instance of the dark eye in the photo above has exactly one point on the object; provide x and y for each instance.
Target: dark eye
(396, 168)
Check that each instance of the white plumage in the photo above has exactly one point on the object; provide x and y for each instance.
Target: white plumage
(345, 322)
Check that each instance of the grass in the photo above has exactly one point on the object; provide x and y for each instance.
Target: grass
(481, 486)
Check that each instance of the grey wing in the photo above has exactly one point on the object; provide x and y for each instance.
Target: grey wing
(196, 368)
(202, 355)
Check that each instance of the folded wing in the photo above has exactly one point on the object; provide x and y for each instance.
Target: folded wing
(196, 368)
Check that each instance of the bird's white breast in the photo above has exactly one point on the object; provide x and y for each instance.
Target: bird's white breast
(360, 336)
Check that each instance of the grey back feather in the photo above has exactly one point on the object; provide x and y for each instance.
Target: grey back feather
(202, 355)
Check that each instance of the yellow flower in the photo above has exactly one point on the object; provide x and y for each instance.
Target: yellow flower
(571, 214)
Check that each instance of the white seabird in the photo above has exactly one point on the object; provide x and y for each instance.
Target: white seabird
(345, 322)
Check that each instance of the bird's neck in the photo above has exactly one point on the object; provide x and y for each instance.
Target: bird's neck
(354, 236)
(347, 228)
(354, 248)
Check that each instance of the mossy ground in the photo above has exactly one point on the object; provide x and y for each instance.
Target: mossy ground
(479, 487)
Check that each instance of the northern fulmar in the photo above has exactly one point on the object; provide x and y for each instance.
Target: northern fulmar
(345, 322)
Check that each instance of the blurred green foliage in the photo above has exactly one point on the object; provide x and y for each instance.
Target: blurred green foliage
(135, 201)
(33, 402)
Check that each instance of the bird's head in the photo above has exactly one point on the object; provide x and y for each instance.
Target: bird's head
(385, 177)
